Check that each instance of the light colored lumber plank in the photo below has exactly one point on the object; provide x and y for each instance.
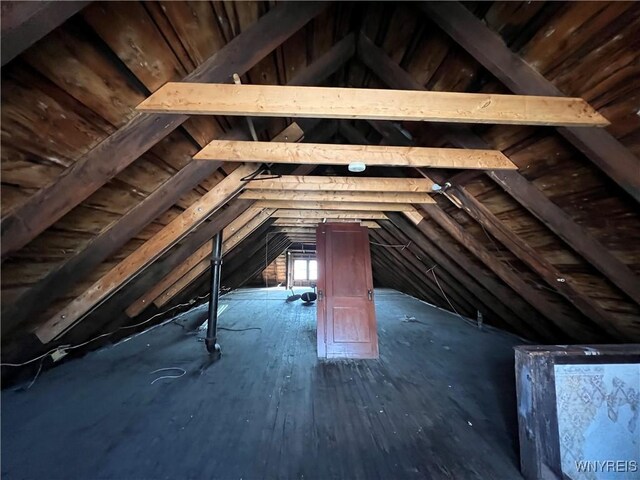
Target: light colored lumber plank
(152, 249)
(369, 104)
(313, 183)
(201, 254)
(177, 287)
(329, 214)
(246, 230)
(238, 223)
(370, 224)
(329, 196)
(371, 155)
(367, 207)
(137, 307)
(414, 215)
(292, 133)
(241, 232)
(297, 222)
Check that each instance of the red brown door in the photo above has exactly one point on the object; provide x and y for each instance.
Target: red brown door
(346, 312)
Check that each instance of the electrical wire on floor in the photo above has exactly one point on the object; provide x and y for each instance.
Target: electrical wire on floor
(432, 269)
(24, 389)
(65, 348)
(239, 329)
(184, 372)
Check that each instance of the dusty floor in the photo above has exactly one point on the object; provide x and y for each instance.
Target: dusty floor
(439, 403)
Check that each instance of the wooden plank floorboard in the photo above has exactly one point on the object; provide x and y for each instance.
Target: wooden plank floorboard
(439, 403)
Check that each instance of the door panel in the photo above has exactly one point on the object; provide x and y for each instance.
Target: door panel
(350, 324)
(346, 312)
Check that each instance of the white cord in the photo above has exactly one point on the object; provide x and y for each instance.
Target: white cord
(73, 347)
(184, 372)
(37, 375)
(433, 272)
(402, 246)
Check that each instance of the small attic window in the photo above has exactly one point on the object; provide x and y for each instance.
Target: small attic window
(305, 270)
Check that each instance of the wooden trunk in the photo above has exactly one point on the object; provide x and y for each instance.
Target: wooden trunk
(346, 311)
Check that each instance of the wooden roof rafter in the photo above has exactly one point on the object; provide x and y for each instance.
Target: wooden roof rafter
(245, 224)
(492, 296)
(535, 201)
(233, 234)
(415, 269)
(545, 269)
(151, 250)
(488, 49)
(537, 300)
(128, 143)
(568, 211)
(147, 253)
(59, 281)
(24, 23)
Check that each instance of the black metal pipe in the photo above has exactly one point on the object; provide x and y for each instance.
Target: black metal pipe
(211, 341)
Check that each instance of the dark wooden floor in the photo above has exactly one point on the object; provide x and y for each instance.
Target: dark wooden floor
(439, 403)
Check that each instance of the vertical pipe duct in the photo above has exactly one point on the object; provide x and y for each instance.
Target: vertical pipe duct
(211, 341)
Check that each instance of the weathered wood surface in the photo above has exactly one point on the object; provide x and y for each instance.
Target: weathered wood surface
(151, 250)
(453, 292)
(59, 281)
(568, 324)
(129, 142)
(486, 47)
(56, 108)
(182, 283)
(24, 23)
(104, 318)
(249, 227)
(563, 284)
(525, 192)
(498, 300)
(576, 236)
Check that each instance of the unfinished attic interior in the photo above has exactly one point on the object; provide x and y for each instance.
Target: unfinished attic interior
(320, 240)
